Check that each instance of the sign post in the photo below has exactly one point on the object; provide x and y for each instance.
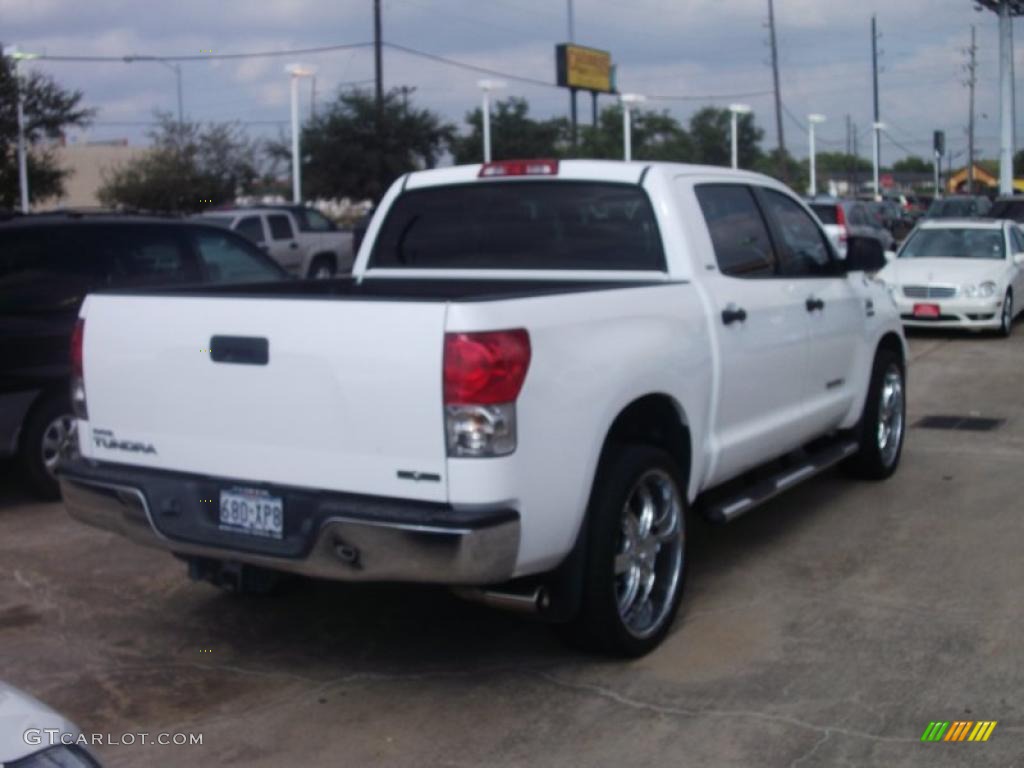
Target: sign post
(579, 68)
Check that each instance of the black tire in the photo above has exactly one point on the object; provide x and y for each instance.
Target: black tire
(323, 267)
(37, 440)
(598, 626)
(872, 462)
(1006, 323)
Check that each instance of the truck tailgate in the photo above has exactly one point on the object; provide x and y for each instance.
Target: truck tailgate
(349, 395)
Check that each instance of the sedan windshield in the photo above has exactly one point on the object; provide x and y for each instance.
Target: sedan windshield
(955, 243)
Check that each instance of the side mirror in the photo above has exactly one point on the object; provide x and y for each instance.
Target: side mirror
(864, 254)
(1018, 259)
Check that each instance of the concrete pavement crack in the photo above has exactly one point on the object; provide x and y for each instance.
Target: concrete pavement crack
(626, 701)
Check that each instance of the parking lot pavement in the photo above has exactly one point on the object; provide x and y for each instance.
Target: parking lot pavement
(828, 628)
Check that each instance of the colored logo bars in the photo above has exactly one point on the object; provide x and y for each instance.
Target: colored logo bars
(959, 730)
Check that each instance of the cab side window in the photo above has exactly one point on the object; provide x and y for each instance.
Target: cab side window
(803, 250)
(738, 231)
(280, 227)
(251, 227)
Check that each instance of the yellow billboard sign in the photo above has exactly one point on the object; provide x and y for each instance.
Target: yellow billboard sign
(585, 68)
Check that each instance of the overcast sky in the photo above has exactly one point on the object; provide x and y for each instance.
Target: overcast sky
(662, 48)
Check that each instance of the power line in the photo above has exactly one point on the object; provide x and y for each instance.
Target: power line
(129, 58)
(711, 96)
(470, 67)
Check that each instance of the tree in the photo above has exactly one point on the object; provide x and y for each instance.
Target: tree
(49, 111)
(1018, 163)
(345, 153)
(838, 163)
(789, 171)
(711, 135)
(513, 134)
(189, 168)
(912, 164)
(654, 135)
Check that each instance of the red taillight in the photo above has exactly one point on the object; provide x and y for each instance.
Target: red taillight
(545, 167)
(485, 368)
(841, 221)
(77, 340)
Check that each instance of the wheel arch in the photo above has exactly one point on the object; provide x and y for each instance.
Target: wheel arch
(655, 419)
(892, 341)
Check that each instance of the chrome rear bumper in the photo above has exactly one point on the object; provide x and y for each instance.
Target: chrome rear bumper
(479, 552)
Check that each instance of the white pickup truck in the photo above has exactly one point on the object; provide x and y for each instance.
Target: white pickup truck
(536, 372)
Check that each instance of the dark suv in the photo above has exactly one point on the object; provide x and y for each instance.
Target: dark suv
(1011, 208)
(48, 263)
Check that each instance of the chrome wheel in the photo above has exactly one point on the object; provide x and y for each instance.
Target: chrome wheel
(890, 415)
(57, 432)
(649, 557)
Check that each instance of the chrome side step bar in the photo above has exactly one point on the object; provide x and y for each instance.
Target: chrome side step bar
(732, 505)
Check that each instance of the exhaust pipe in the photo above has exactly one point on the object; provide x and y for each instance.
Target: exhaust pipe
(530, 603)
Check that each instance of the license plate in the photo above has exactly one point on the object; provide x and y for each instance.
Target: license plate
(926, 310)
(252, 511)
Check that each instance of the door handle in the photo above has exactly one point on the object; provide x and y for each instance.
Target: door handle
(814, 304)
(732, 314)
(245, 350)
(293, 245)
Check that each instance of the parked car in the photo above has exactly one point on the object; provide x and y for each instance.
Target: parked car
(34, 736)
(892, 218)
(538, 368)
(959, 273)
(1007, 208)
(300, 239)
(958, 207)
(843, 218)
(911, 204)
(48, 263)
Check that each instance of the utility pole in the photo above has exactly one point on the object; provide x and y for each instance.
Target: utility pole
(877, 159)
(572, 91)
(849, 151)
(379, 77)
(856, 158)
(972, 80)
(778, 95)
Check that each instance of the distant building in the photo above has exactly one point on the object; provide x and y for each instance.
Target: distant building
(87, 163)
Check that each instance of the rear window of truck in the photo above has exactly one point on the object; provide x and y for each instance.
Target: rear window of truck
(521, 225)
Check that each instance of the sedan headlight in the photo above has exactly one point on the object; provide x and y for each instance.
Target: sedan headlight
(981, 291)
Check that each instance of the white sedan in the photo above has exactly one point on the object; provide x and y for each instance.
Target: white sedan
(959, 273)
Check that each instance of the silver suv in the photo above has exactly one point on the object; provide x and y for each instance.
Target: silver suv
(300, 239)
(846, 218)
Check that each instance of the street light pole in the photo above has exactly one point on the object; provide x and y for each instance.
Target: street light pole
(18, 57)
(1007, 10)
(175, 68)
(22, 151)
(296, 71)
(813, 120)
(628, 100)
(1006, 99)
(735, 111)
(487, 86)
(876, 129)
